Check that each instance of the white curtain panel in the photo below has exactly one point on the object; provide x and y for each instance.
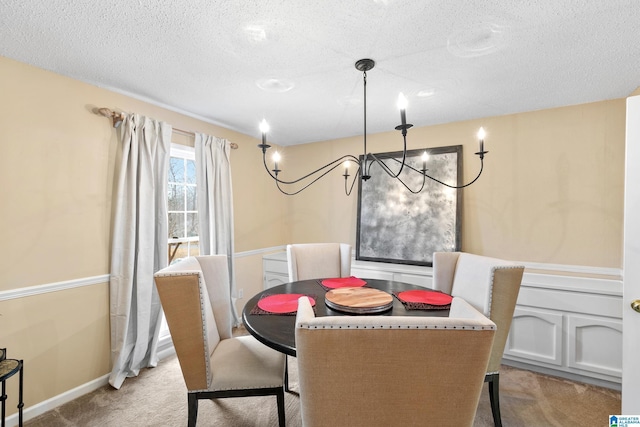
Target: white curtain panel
(139, 246)
(215, 203)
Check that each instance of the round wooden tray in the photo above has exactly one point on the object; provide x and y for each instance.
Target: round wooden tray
(358, 300)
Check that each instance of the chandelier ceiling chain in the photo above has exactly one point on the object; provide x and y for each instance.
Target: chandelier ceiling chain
(366, 160)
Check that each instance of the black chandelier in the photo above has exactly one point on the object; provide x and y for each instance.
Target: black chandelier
(367, 159)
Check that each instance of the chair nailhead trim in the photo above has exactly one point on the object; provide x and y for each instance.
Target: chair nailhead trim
(461, 327)
(205, 336)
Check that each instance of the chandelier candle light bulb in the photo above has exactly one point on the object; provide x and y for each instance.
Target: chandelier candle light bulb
(276, 159)
(402, 105)
(264, 128)
(481, 135)
(425, 157)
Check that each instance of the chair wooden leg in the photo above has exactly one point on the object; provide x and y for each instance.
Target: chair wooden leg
(286, 374)
(281, 418)
(494, 397)
(193, 409)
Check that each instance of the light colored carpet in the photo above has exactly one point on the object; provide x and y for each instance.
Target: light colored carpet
(158, 397)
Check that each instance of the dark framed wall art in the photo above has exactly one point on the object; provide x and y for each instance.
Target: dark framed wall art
(397, 226)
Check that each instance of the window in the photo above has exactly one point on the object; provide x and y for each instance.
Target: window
(182, 206)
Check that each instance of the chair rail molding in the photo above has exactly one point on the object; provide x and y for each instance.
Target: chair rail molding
(52, 287)
(28, 291)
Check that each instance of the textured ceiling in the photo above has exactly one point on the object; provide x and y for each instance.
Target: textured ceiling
(453, 60)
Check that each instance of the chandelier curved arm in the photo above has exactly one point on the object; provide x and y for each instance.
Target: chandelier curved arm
(455, 187)
(326, 169)
(332, 165)
(355, 178)
(424, 180)
(278, 182)
(383, 165)
(295, 192)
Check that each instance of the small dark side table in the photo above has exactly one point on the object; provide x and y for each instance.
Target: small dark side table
(8, 368)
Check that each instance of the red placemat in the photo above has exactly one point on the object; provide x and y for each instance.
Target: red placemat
(424, 300)
(343, 282)
(281, 303)
(427, 297)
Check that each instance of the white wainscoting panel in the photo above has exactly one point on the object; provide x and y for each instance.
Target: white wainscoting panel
(594, 344)
(536, 335)
(275, 270)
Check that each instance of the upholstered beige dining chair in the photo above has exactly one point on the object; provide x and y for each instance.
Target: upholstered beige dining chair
(195, 298)
(491, 285)
(391, 370)
(318, 260)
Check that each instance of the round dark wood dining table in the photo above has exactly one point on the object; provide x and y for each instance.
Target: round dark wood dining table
(278, 330)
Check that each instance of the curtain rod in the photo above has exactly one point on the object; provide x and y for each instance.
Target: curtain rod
(117, 118)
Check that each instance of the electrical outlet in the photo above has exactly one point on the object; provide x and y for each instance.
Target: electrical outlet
(240, 293)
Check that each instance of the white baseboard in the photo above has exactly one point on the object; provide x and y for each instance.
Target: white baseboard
(563, 374)
(31, 412)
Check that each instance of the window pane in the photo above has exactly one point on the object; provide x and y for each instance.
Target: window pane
(176, 225)
(192, 224)
(182, 204)
(176, 169)
(191, 198)
(175, 197)
(191, 171)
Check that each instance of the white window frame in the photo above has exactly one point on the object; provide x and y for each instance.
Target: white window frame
(185, 152)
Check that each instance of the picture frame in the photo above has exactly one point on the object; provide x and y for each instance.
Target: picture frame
(395, 225)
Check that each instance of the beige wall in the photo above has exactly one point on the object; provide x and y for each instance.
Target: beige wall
(59, 158)
(57, 171)
(551, 192)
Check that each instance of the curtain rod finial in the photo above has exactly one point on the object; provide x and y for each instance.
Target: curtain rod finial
(106, 112)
